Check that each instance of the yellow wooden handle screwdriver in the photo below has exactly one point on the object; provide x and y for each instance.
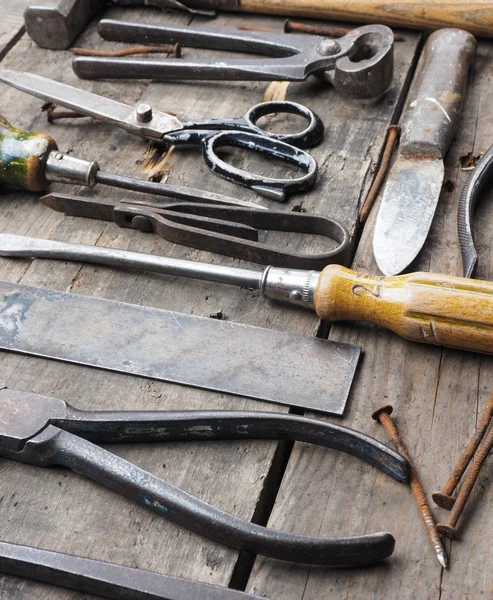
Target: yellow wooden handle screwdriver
(422, 307)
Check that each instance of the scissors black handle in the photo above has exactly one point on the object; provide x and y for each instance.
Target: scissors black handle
(310, 136)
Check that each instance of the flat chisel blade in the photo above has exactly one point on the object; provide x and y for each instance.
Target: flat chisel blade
(406, 212)
(264, 364)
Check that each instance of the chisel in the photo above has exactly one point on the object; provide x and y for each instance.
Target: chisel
(422, 307)
(428, 124)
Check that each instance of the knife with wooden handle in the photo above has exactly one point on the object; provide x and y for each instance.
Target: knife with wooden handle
(428, 124)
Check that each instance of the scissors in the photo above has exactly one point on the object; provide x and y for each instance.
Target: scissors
(359, 64)
(212, 134)
(224, 229)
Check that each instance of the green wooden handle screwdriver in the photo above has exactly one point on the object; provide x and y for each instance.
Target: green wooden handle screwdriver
(30, 160)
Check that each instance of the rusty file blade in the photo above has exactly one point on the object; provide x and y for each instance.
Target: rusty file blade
(223, 356)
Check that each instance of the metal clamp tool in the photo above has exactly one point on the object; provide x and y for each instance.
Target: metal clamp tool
(359, 65)
(215, 228)
(45, 431)
(212, 134)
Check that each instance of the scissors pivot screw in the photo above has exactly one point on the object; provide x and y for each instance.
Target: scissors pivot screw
(143, 113)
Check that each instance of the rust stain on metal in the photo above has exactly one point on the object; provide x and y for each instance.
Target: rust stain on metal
(174, 49)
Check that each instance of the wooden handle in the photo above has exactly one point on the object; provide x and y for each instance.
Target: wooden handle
(476, 16)
(434, 102)
(422, 307)
(23, 157)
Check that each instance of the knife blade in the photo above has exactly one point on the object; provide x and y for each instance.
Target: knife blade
(428, 124)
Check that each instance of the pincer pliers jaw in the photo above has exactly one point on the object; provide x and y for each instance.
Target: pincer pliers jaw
(45, 431)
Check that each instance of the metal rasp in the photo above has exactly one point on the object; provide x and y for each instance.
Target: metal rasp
(223, 356)
(428, 125)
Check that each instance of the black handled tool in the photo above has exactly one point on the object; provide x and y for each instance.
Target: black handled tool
(45, 431)
(211, 134)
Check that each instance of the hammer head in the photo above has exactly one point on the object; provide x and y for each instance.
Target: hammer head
(55, 24)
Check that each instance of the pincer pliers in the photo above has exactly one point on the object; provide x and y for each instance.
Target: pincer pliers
(359, 64)
(45, 431)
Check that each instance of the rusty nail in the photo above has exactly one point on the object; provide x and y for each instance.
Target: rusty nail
(444, 499)
(51, 115)
(327, 30)
(448, 529)
(393, 133)
(383, 415)
(174, 49)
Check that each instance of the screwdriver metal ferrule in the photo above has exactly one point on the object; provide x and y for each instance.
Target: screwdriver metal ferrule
(294, 286)
(69, 169)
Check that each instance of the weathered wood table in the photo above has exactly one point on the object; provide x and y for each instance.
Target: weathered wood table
(437, 393)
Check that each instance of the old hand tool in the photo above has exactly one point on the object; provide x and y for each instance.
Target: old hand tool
(471, 193)
(219, 355)
(422, 307)
(221, 229)
(212, 134)
(31, 160)
(45, 431)
(359, 65)
(106, 580)
(444, 498)
(55, 24)
(428, 123)
(383, 415)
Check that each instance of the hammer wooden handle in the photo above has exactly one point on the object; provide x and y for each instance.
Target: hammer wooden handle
(422, 307)
(475, 16)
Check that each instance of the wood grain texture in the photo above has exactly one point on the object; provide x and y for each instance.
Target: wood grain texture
(476, 17)
(437, 395)
(58, 510)
(11, 24)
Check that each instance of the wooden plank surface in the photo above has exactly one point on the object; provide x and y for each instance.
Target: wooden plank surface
(58, 510)
(11, 24)
(437, 395)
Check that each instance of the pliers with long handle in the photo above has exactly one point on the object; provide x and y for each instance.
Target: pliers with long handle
(45, 431)
(359, 64)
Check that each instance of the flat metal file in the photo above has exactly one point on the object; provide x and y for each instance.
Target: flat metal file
(106, 580)
(286, 368)
(428, 124)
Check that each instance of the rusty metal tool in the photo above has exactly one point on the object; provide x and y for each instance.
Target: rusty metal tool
(430, 308)
(31, 160)
(428, 124)
(444, 498)
(472, 191)
(55, 24)
(106, 580)
(220, 229)
(449, 529)
(222, 356)
(359, 65)
(211, 134)
(45, 431)
(383, 415)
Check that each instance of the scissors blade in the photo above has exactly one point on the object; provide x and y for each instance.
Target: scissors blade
(76, 99)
